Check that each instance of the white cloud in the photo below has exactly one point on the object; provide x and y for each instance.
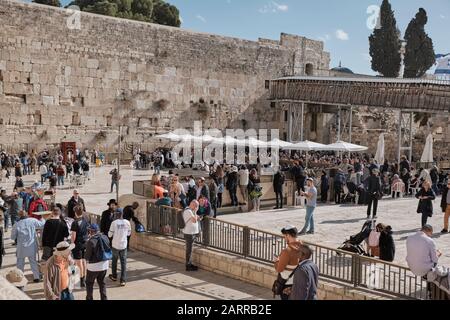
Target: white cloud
(342, 35)
(442, 16)
(274, 7)
(199, 17)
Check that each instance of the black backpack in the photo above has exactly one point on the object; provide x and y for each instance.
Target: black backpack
(180, 218)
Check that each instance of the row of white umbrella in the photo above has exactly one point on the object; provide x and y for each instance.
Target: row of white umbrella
(340, 146)
(427, 155)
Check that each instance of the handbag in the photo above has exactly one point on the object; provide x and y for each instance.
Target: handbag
(139, 228)
(280, 283)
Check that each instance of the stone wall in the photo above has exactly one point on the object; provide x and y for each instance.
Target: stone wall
(63, 84)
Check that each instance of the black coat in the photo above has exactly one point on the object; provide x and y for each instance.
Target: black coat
(105, 221)
(426, 206)
(278, 181)
(373, 185)
(324, 184)
(232, 181)
(387, 245)
(444, 200)
(72, 204)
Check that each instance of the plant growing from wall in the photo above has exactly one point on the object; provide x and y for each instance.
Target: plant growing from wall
(162, 104)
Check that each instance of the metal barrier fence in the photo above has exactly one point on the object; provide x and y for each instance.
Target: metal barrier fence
(350, 268)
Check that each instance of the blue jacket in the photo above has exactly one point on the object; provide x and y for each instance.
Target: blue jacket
(306, 280)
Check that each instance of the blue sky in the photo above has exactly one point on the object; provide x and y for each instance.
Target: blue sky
(342, 24)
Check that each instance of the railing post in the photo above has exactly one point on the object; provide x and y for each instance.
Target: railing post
(355, 270)
(149, 217)
(206, 231)
(246, 241)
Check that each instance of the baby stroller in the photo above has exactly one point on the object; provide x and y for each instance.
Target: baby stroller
(354, 245)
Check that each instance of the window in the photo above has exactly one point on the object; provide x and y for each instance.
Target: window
(314, 122)
(286, 116)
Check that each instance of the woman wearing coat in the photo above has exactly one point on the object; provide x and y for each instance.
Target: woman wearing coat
(426, 196)
(386, 243)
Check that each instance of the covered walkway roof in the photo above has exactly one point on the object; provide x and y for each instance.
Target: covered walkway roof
(417, 95)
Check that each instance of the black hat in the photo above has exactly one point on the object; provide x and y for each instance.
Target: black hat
(289, 230)
(112, 201)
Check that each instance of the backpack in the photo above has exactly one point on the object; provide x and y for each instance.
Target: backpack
(103, 250)
(180, 218)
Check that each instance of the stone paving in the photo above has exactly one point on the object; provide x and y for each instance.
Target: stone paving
(335, 223)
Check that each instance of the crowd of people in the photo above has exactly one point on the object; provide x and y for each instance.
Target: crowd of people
(64, 249)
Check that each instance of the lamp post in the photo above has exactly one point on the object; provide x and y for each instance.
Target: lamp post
(118, 163)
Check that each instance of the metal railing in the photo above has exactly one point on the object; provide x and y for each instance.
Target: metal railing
(355, 270)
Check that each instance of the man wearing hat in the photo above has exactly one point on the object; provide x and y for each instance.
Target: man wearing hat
(108, 216)
(56, 274)
(24, 233)
(311, 203)
(17, 278)
(96, 268)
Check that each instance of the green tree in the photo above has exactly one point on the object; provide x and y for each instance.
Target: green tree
(166, 14)
(103, 7)
(385, 44)
(419, 55)
(54, 3)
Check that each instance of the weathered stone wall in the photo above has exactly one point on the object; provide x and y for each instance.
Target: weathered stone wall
(59, 84)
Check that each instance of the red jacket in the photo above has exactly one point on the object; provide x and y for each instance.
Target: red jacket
(34, 208)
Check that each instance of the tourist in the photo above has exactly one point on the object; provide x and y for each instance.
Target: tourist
(129, 213)
(55, 231)
(108, 216)
(19, 183)
(231, 185)
(97, 264)
(311, 203)
(424, 175)
(115, 178)
(374, 193)
(119, 232)
(278, 183)
(177, 193)
(56, 273)
(24, 233)
(289, 258)
(37, 205)
(324, 187)
(386, 243)
(79, 237)
(298, 175)
(434, 175)
(69, 168)
(18, 169)
(339, 182)
(426, 197)
(255, 190)
(306, 277)
(397, 187)
(404, 164)
(15, 204)
(445, 206)
(75, 201)
(2, 238)
(17, 279)
(190, 231)
(243, 183)
(60, 174)
(213, 191)
(202, 189)
(76, 168)
(43, 171)
(421, 254)
(220, 190)
(165, 201)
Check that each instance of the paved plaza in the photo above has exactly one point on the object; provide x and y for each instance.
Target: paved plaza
(153, 278)
(336, 223)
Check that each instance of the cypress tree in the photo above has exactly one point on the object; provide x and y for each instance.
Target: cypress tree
(419, 55)
(385, 44)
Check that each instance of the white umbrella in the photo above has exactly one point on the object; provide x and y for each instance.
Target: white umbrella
(307, 146)
(379, 156)
(345, 147)
(277, 143)
(427, 156)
